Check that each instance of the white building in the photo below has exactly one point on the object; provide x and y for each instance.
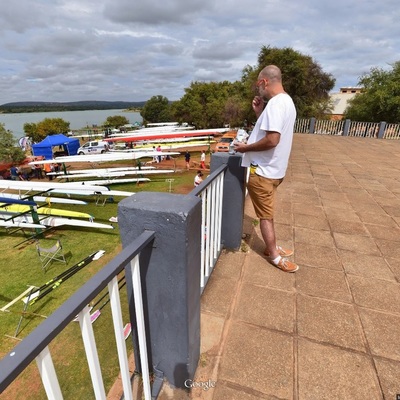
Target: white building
(341, 99)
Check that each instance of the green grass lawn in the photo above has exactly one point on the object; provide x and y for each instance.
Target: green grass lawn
(20, 267)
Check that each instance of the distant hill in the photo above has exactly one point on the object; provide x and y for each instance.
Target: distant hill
(42, 106)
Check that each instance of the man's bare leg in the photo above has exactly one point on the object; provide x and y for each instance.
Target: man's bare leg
(268, 234)
(274, 253)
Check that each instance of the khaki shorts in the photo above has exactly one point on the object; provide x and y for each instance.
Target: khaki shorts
(262, 192)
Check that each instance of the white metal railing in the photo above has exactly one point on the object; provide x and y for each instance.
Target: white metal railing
(36, 345)
(364, 129)
(392, 131)
(328, 127)
(211, 193)
(302, 125)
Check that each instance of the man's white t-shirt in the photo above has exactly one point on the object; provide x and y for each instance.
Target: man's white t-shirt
(279, 115)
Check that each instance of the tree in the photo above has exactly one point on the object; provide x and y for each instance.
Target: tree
(211, 105)
(31, 130)
(116, 121)
(49, 126)
(9, 151)
(157, 109)
(303, 78)
(380, 99)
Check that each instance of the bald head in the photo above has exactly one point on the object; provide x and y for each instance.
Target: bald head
(272, 73)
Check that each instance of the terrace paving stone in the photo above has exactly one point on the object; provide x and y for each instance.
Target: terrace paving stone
(329, 321)
(330, 330)
(313, 236)
(266, 307)
(327, 372)
(217, 296)
(227, 390)
(270, 357)
(211, 327)
(355, 194)
(333, 213)
(350, 227)
(378, 218)
(382, 333)
(342, 205)
(284, 232)
(386, 198)
(231, 267)
(356, 243)
(375, 293)
(333, 195)
(384, 232)
(327, 284)
(284, 218)
(388, 373)
(366, 265)
(306, 209)
(394, 266)
(389, 248)
(317, 256)
(258, 271)
(309, 221)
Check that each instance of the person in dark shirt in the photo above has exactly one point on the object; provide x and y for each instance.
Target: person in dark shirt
(187, 159)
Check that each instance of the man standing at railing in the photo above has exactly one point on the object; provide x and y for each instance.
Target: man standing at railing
(267, 154)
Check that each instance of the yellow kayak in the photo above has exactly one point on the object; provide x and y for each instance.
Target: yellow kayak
(19, 208)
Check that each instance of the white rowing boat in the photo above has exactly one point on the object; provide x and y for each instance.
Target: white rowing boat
(113, 181)
(105, 157)
(56, 222)
(42, 199)
(44, 186)
(67, 188)
(12, 224)
(115, 174)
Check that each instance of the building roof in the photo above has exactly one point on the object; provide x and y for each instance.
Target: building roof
(341, 99)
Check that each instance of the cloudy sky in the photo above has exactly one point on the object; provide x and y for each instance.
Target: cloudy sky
(70, 50)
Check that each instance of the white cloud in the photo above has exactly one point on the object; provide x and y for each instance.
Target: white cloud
(65, 50)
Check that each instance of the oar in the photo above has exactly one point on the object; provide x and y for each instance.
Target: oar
(56, 278)
(96, 314)
(58, 282)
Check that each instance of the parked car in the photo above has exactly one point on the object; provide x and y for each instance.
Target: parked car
(95, 147)
(225, 141)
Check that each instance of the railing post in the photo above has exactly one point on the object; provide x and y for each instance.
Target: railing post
(233, 198)
(381, 131)
(346, 127)
(171, 281)
(312, 125)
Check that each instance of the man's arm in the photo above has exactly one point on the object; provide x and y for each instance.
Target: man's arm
(269, 141)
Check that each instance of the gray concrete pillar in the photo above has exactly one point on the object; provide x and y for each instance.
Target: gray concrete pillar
(312, 125)
(171, 283)
(346, 127)
(233, 198)
(381, 131)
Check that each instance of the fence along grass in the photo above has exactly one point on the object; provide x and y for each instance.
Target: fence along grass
(380, 130)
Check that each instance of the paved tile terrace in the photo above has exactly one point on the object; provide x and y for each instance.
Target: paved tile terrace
(332, 329)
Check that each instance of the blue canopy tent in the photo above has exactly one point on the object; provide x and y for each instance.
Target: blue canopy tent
(66, 146)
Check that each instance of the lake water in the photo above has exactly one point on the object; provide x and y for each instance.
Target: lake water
(77, 119)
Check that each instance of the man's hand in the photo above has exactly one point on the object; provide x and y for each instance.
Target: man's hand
(239, 147)
(258, 105)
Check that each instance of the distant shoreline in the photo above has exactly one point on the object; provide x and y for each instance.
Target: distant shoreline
(34, 107)
(137, 110)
